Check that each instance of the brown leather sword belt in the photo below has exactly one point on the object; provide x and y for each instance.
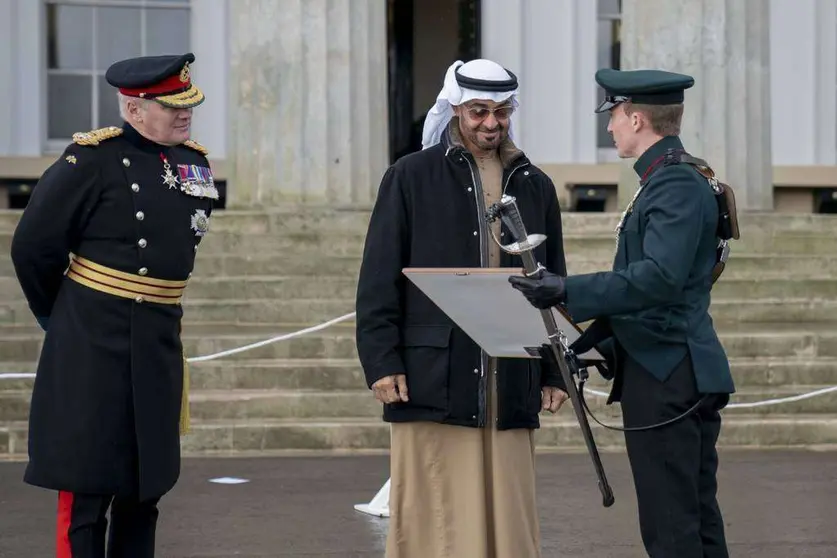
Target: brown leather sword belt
(139, 288)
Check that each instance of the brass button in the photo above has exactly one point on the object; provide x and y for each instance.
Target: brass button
(140, 215)
(196, 247)
(135, 187)
(143, 271)
(126, 162)
(142, 243)
(139, 300)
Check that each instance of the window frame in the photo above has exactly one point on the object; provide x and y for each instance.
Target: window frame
(606, 154)
(57, 145)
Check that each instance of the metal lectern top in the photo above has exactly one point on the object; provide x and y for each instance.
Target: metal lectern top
(497, 317)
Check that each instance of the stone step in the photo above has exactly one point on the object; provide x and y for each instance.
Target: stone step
(359, 403)
(345, 288)
(750, 266)
(290, 219)
(337, 375)
(277, 220)
(771, 341)
(750, 224)
(561, 433)
(312, 311)
(740, 266)
(592, 245)
(347, 374)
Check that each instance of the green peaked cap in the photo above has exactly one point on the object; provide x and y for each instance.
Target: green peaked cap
(648, 87)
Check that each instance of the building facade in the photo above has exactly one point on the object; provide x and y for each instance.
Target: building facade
(309, 100)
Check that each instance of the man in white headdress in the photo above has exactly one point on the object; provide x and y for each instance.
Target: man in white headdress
(462, 451)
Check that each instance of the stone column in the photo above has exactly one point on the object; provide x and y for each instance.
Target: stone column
(725, 45)
(551, 46)
(22, 122)
(307, 101)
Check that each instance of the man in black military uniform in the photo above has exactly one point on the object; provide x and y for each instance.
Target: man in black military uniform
(652, 318)
(103, 253)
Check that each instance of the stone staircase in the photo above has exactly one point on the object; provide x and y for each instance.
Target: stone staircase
(261, 274)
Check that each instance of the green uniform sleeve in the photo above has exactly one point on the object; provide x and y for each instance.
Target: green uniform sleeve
(673, 216)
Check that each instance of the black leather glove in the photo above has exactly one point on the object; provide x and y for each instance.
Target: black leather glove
(543, 290)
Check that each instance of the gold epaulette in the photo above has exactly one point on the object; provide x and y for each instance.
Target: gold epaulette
(94, 137)
(196, 146)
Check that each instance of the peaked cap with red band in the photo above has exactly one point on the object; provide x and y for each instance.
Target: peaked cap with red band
(164, 79)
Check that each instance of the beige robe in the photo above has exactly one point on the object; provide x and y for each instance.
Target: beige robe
(460, 492)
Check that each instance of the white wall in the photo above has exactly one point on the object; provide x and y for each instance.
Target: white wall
(210, 44)
(551, 46)
(803, 79)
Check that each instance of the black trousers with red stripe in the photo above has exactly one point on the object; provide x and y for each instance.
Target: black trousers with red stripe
(82, 525)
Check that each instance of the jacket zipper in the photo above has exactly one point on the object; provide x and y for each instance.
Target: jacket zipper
(505, 186)
(482, 230)
(479, 200)
(480, 203)
(511, 172)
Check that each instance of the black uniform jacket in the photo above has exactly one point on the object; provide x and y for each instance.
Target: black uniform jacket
(105, 409)
(657, 296)
(430, 213)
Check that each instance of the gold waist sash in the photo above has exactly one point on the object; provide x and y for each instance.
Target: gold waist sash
(126, 285)
(138, 288)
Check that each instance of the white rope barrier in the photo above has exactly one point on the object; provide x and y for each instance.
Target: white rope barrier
(285, 337)
(751, 404)
(350, 315)
(15, 376)
(274, 339)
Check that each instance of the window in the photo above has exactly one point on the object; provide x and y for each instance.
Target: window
(83, 38)
(608, 55)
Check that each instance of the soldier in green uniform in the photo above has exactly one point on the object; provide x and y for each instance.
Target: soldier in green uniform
(652, 318)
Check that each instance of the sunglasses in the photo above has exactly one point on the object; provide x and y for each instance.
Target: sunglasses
(481, 112)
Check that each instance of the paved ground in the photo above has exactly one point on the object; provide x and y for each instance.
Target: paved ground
(777, 505)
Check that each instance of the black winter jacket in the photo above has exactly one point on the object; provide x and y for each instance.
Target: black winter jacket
(430, 213)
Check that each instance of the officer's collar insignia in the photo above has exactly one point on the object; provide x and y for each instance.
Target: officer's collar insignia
(71, 159)
(200, 222)
(197, 181)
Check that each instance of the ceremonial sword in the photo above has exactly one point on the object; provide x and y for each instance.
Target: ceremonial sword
(523, 245)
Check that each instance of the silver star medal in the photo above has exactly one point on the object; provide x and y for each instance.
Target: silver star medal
(169, 179)
(200, 222)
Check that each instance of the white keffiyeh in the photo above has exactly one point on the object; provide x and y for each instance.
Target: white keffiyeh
(452, 94)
